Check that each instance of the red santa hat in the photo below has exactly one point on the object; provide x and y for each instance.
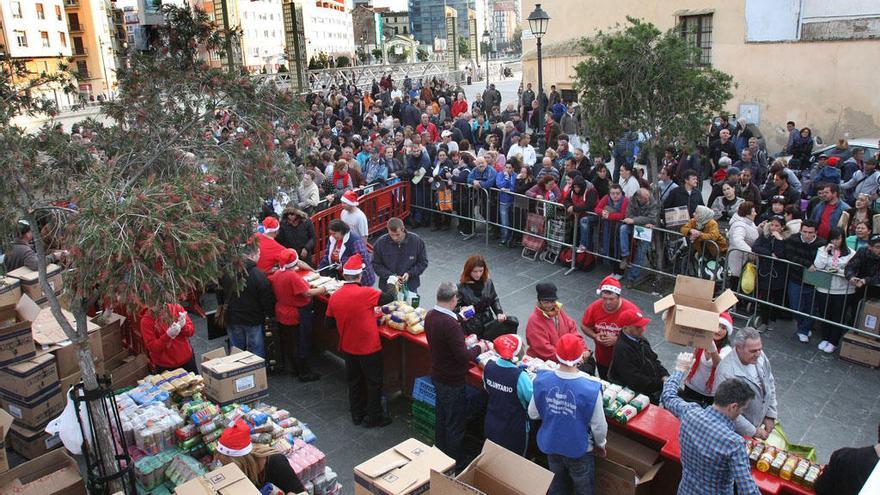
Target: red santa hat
(235, 441)
(354, 265)
(570, 349)
(270, 224)
(289, 258)
(726, 321)
(508, 346)
(350, 198)
(609, 284)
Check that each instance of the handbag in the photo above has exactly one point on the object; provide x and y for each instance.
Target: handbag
(749, 278)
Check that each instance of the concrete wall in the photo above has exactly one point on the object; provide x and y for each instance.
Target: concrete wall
(825, 85)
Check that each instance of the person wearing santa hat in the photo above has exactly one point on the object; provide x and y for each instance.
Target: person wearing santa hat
(600, 321)
(547, 323)
(270, 249)
(354, 307)
(166, 338)
(573, 427)
(353, 216)
(262, 464)
(510, 390)
(699, 384)
(634, 364)
(341, 245)
(292, 294)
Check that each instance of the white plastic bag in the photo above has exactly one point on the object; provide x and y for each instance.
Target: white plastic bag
(67, 427)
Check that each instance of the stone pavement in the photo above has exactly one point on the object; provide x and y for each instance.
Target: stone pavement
(823, 401)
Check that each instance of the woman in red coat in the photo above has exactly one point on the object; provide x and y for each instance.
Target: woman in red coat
(168, 344)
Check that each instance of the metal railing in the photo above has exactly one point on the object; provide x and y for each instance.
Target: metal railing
(363, 76)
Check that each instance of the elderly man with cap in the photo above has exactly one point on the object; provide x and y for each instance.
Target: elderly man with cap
(635, 364)
(353, 216)
(573, 426)
(293, 296)
(446, 137)
(510, 391)
(355, 309)
(262, 464)
(547, 324)
(270, 249)
(601, 321)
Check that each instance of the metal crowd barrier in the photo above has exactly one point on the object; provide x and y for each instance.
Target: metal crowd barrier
(774, 274)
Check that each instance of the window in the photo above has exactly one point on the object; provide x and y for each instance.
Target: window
(82, 69)
(21, 37)
(40, 13)
(697, 30)
(15, 7)
(63, 36)
(73, 22)
(58, 12)
(78, 48)
(44, 36)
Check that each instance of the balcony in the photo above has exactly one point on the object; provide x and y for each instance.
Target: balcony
(71, 3)
(80, 53)
(76, 28)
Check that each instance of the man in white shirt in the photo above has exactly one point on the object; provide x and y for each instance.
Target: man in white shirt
(628, 182)
(353, 216)
(529, 157)
(451, 145)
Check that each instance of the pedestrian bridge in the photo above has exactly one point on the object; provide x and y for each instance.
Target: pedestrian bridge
(363, 76)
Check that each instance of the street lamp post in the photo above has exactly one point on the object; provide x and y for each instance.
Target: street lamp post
(538, 21)
(487, 44)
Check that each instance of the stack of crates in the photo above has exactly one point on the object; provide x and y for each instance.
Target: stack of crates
(424, 401)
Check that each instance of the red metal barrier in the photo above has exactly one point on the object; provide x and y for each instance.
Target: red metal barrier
(379, 206)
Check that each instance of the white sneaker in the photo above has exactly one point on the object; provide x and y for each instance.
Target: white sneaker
(804, 338)
(823, 344)
(830, 348)
(581, 249)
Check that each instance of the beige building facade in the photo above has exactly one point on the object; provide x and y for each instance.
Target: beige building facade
(809, 61)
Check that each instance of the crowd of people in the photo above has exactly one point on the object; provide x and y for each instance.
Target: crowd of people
(788, 218)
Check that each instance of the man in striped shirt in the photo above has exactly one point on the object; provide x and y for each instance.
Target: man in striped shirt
(713, 455)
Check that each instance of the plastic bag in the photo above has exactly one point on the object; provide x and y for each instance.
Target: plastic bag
(779, 439)
(749, 277)
(67, 427)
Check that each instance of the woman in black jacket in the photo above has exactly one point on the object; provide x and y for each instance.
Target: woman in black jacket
(770, 246)
(476, 289)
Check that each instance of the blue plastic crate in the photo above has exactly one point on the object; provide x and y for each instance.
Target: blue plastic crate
(423, 390)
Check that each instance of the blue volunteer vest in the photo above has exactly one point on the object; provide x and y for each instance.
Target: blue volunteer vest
(566, 407)
(506, 418)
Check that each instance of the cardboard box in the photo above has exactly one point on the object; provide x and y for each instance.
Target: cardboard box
(628, 468)
(38, 411)
(496, 471)
(227, 480)
(237, 377)
(30, 280)
(869, 317)
(5, 424)
(67, 358)
(691, 313)
(55, 473)
(69, 381)
(29, 379)
(16, 339)
(10, 291)
(32, 443)
(111, 333)
(129, 371)
(404, 469)
(860, 350)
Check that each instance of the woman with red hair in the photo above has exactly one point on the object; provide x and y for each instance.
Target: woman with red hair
(476, 289)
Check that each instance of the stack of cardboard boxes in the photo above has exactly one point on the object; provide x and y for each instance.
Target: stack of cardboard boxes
(864, 348)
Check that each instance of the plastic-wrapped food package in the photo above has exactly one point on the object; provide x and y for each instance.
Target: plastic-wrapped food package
(182, 469)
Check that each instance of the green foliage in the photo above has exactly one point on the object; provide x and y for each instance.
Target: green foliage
(516, 41)
(161, 207)
(363, 56)
(643, 75)
(464, 47)
(422, 55)
(485, 48)
(322, 61)
(377, 53)
(343, 61)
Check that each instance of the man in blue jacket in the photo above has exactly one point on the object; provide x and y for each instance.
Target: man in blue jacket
(573, 426)
(400, 253)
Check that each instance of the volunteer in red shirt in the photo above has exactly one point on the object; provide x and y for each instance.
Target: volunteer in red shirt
(355, 309)
(601, 321)
(167, 339)
(270, 250)
(292, 294)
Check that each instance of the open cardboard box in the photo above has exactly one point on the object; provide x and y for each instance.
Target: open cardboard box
(16, 338)
(691, 312)
(628, 467)
(239, 376)
(496, 471)
(55, 473)
(404, 469)
(227, 480)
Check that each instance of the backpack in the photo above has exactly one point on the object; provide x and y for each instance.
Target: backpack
(582, 260)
